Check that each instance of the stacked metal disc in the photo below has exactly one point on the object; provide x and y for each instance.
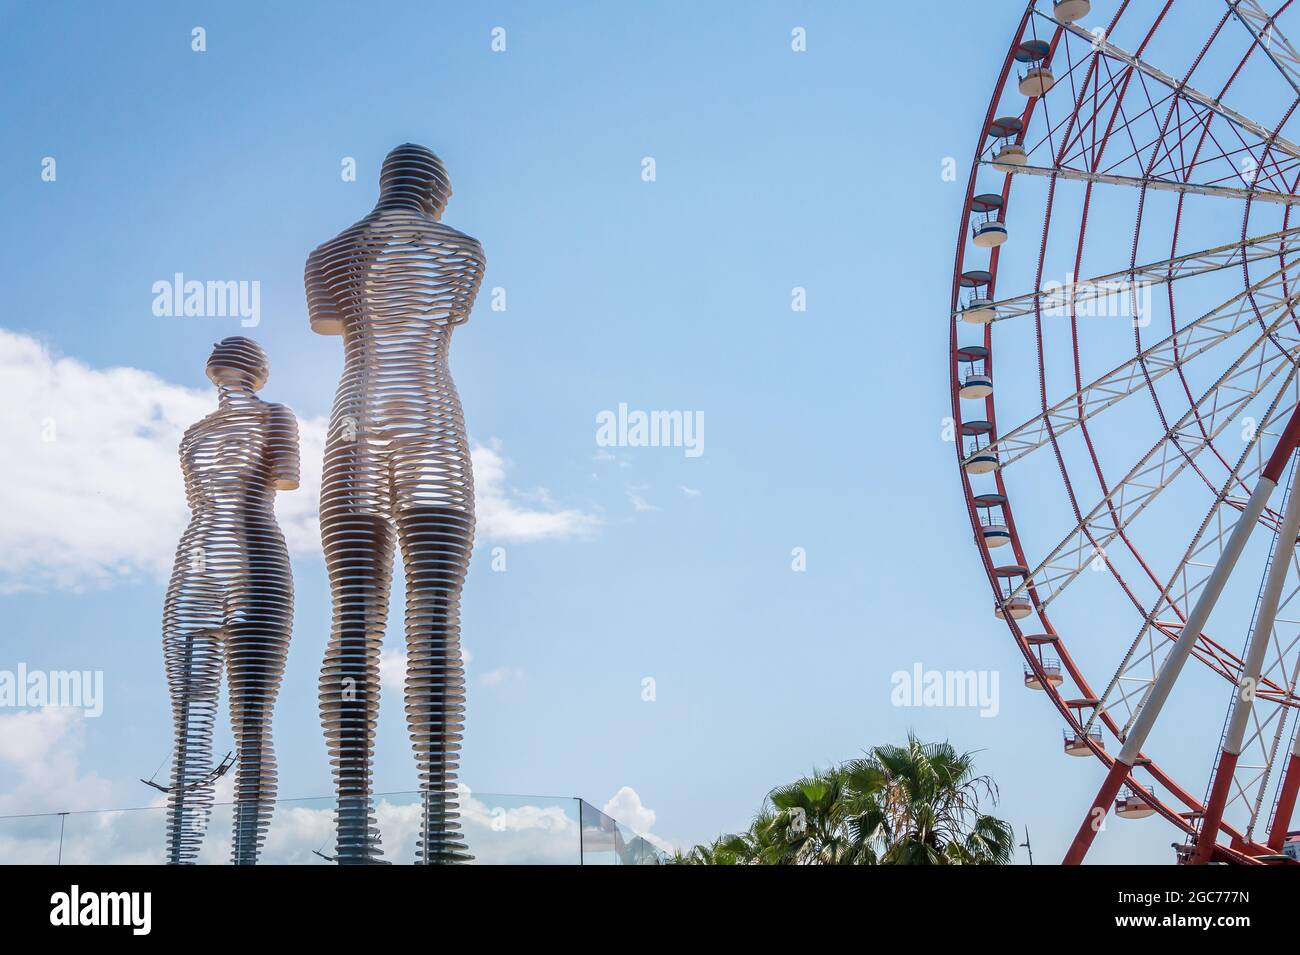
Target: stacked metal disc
(397, 474)
(230, 601)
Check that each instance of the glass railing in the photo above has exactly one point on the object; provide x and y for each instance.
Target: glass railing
(499, 830)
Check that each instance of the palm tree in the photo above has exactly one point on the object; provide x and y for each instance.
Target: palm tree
(900, 805)
(923, 807)
(809, 823)
(724, 850)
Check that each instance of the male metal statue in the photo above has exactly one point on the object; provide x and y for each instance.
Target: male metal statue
(230, 601)
(397, 469)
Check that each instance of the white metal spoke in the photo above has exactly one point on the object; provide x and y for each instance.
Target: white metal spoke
(1168, 185)
(1188, 265)
(1193, 340)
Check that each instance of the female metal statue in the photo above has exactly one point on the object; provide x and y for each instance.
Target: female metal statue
(397, 469)
(230, 602)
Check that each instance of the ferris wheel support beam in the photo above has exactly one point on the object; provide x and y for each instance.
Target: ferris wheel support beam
(1286, 798)
(1252, 665)
(1143, 182)
(1101, 45)
(1187, 638)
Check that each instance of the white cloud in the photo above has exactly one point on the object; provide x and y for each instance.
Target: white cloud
(502, 675)
(93, 486)
(94, 491)
(639, 503)
(41, 750)
(625, 806)
(690, 491)
(500, 518)
(392, 670)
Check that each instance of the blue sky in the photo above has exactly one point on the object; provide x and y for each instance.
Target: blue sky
(774, 170)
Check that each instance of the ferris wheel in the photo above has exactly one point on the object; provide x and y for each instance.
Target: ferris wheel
(1125, 367)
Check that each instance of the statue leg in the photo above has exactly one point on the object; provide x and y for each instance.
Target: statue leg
(359, 556)
(257, 643)
(436, 543)
(192, 653)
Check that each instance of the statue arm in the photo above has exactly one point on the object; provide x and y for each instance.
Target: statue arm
(282, 445)
(321, 308)
(192, 496)
(471, 277)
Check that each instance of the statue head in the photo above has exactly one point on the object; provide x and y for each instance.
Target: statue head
(413, 175)
(238, 361)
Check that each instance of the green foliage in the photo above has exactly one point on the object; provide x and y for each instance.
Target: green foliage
(917, 804)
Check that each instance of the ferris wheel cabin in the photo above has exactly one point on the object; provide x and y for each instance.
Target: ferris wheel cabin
(1037, 78)
(1077, 743)
(1050, 668)
(1131, 805)
(1067, 11)
(979, 458)
(993, 526)
(978, 309)
(1013, 605)
(987, 230)
(975, 380)
(1009, 154)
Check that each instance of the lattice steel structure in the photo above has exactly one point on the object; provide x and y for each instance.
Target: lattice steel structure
(230, 601)
(397, 472)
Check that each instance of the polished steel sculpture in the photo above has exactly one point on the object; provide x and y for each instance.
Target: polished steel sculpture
(230, 601)
(397, 468)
